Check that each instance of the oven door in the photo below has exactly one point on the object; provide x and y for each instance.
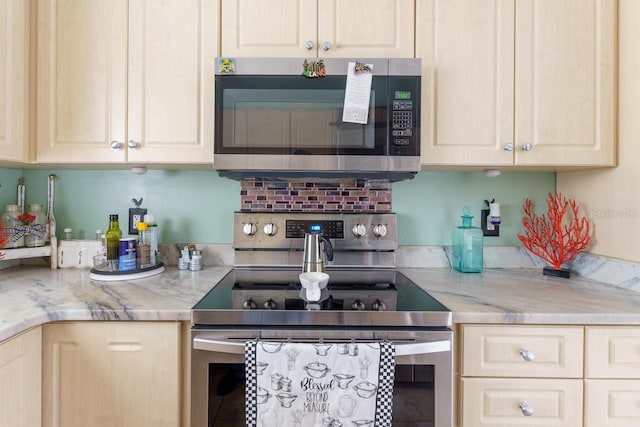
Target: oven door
(423, 378)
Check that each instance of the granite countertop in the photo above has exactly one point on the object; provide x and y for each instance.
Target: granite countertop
(34, 295)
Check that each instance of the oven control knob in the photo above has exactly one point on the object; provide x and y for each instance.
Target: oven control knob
(378, 306)
(249, 305)
(249, 229)
(270, 304)
(358, 305)
(270, 229)
(359, 230)
(380, 230)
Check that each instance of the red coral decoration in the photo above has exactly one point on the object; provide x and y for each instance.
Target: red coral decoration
(556, 239)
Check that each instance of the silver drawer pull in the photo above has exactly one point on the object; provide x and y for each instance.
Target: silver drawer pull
(527, 355)
(527, 410)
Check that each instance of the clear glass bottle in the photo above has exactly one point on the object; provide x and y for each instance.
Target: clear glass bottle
(35, 240)
(112, 237)
(9, 221)
(144, 247)
(467, 245)
(152, 225)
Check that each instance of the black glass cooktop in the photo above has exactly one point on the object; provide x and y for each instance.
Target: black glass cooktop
(413, 304)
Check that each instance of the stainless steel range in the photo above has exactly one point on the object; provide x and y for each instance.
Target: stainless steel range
(366, 300)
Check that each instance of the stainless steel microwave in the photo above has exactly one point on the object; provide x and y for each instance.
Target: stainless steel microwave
(283, 117)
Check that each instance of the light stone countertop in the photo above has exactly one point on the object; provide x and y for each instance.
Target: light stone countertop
(34, 295)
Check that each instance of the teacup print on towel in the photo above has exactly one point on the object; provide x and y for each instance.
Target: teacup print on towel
(293, 384)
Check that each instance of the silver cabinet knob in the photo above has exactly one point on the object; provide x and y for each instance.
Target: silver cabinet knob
(508, 147)
(116, 145)
(326, 45)
(527, 410)
(309, 44)
(527, 355)
(132, 144)
(526, 147)
(270, 304)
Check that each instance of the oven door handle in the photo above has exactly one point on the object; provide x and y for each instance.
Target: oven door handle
(401, 349)
(218, 346)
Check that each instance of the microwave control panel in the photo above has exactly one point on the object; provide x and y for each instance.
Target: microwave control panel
(402, 121)
(404, 116)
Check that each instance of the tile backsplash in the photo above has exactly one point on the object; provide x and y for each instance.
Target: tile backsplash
(327, 195)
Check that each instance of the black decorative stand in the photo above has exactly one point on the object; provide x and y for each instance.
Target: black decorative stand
(563, 272)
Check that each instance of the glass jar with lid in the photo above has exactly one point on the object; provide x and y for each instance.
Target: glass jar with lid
(9, 222)
(37, 237)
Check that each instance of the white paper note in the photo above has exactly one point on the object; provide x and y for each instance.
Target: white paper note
(356, 95)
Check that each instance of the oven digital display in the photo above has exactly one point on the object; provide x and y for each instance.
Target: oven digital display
(332, 229)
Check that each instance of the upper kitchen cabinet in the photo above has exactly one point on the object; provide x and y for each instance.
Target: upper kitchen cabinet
(14, 81)
(126, 81)
(524, 82)
(323, 28)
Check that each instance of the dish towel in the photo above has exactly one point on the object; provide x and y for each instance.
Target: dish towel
(322, 384)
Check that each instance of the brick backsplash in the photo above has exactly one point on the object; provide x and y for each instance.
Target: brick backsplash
(327, 195)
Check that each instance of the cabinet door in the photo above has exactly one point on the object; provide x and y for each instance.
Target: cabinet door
(612, 403)
(492, 402)
(111, 374)
(275, 28)
(14, 80)
(20, 376)
(81, 80)
(565, 82)
(612, 352)
(467, 55)
(366, 28)
(172, 46)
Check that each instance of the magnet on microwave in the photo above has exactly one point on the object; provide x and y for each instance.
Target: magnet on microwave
(313, 69)
(361, 67)
(226, 65)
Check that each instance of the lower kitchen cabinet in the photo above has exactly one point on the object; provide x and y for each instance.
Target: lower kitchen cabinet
(612, 371)
(125, 374)
(530, 375)
(20, 384)
(521, 375)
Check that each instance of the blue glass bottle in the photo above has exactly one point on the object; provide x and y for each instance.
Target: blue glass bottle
(467, 245)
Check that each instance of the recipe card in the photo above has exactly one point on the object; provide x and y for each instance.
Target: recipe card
(357, 93)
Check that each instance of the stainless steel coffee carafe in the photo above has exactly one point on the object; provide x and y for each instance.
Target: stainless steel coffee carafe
(316, 249)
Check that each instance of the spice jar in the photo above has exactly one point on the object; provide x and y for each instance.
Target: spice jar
(15, 238)
(35, 236)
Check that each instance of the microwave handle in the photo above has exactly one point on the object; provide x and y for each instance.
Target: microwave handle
(401, 350)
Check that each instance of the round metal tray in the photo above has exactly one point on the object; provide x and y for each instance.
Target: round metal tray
(110, 274)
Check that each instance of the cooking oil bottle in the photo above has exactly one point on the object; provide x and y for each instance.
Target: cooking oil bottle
(467, 245)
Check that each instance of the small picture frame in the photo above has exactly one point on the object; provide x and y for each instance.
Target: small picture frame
(136, 215)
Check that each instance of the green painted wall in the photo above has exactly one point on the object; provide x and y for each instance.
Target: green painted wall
(197, 206)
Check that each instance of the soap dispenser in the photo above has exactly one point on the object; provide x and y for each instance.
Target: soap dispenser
(467, 245)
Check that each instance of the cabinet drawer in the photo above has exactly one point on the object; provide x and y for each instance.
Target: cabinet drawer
(522, 351)
(612, 352)
(494, 402)
(612, 403)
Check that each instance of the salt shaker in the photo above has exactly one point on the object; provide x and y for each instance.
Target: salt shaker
(196, 261)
